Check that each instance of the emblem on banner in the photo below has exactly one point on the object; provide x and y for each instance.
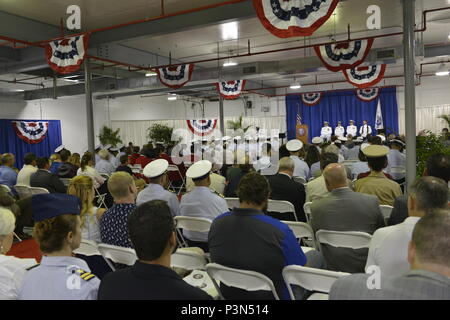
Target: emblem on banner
(364, 77)
(67, 55)
(367, 94)
(311, 99)
(202, 127)
(31, 132)
(230, 90)
(177, 76)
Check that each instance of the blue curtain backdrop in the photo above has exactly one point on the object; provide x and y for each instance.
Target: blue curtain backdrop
(10, 142)
(342, 106)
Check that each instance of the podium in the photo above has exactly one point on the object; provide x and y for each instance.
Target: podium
(301, 133)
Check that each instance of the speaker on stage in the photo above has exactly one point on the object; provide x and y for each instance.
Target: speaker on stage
(301, 133)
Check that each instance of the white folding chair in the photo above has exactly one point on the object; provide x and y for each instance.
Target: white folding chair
(299, 180)
(101, 198)
(191, 224)
(281, 207)
(189, 260)
(104, 175)
(137, 166)
(302, 230)
(65, 181)
(5, 187)
(117, 255)
(174, 168)
(311, 279)
(307, 210)
(87, 248)
(23, 191)
(232, 203)
(238, 278)
(386, 211)
(344, 239)
(37, 190)
(401, 170)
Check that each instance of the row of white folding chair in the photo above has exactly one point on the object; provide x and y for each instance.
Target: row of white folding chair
(273, 206)
(302, 230)
(191, 224)
(174, 168)
(26, 191)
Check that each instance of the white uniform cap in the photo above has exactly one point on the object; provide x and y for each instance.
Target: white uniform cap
(359, 139)
(364, 145)
(343, 139)
(338, 141)
(108, 146)
(294, 145)
(317, 140)
(7, 221)
(352, 121)
(237, 138)
(400, 142)
(99, 146)
(59, 149)
(120, 146)
(226, 138)
(114, 149)
(375, 151)
(156, 168)
(199, 169)
(383, 138)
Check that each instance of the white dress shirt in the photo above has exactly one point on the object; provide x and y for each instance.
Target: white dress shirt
(339, 131)
(157, 192)
(365, 130)
(396, 159)
(12, 272)
(104, 166)
(301, 168)
(389, 248)
(23, 177)
(359, 167)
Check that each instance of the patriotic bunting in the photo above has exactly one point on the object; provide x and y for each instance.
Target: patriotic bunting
(230, 90)
(367, 94)
(175, 77)
(344, 55)
(67, 55)
(364, 77)
(31, 132)
(202, 127)
(293, 18)
(311, 99)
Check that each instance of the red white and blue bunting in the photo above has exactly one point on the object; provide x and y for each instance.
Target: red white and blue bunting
(177, 76)
(367, 94)
(311, 99)
(31, 132)
(293, 18)
(230, 90)
(67, 55)
(202, 127)
(344, 55)
(364, 77)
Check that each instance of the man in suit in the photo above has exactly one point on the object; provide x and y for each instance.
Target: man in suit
(283, 187)
(344, 210)
(429, 277)
(43, 178)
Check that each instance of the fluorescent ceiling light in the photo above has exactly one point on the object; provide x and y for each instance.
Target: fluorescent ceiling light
(230, 64)
(19, 90)
(229, 31)
(150, 74)
(172, 97)
(295, 85)
(442, 71)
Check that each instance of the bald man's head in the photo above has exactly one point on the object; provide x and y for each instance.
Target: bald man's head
(335, 176)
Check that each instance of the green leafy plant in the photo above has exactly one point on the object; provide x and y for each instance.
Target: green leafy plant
(109, 136)
(160, 133)
(446, 117)
(236, 125)
(427, 145)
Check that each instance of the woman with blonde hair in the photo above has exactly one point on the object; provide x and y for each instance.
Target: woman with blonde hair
(75, 159)
(87, 169)
(83, 188)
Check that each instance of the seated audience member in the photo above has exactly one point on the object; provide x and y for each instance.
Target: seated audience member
(429, 276)
(104, 165)
(263, 163)
(86, 169)
(312, 159)
(132, 158)
(83, 188)
(75, 160)
(333, 149)
(396, 159)
(361, 166)
(301, 168)
(283, 187)
(8, 175)
(246, 238)
(59, 276)
(316, 189)
(317, 142)
(218, 183)
(344, 210)
(156, 172)
(113, 224)
(55, 162)
(66, 169)
(389, 245)
(23, 177)
(234, 176)
(148, 154)
(152, 232)
(438, 165)
(353, 148)
(376, 183)
(12, 269)
(201, 202)
(43, 178)
(124, 165)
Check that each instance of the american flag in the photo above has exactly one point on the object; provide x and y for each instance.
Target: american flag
(299, 119)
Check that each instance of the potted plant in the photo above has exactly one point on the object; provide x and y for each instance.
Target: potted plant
(427, 145)
(109, 136)
(160, 133)
(237, 126)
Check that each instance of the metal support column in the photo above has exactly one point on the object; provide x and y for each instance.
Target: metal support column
(89, 106)
(222, 119)
(410, 89)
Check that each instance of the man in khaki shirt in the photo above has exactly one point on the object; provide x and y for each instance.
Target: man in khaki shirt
(376, 182)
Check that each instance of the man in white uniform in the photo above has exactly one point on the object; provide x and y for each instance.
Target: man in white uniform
(352, 129)
(365, 129)
(339, 131)
(156, 171)
(326, 131)
(301, 168)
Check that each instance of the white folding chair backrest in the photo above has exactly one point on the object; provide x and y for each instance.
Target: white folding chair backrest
(232, 202)
(386, 211)
(36, 190)
(299, 180)
(302, 230)
(188, 260)
(174, 168)
(398, 170)
(87, 248)
(23, 191)
(5, 187)
(117, 254)
(311, 279)
(242, 279)
(281, 207)
(193, 224)
(307, 210)
(344, 239)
